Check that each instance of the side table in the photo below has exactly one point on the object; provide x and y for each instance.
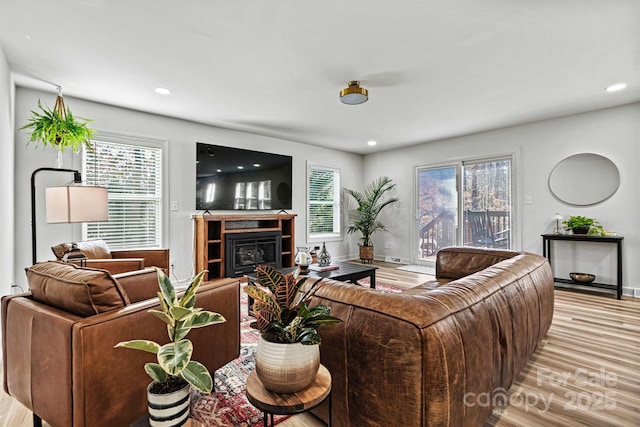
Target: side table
(271, 403)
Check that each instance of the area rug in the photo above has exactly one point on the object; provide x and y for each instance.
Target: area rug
(228, 406)
(421, 269)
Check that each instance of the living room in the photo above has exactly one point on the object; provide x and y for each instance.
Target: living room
(535, 146)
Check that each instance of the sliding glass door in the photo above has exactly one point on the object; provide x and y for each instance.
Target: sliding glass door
(486, 199)
(437, 209)
(467, 203)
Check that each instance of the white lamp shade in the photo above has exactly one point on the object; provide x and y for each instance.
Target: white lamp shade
(77, 203)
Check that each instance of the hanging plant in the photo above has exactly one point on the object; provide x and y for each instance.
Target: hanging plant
(59, 127)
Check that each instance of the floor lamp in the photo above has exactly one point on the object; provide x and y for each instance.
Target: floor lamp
(70, 203)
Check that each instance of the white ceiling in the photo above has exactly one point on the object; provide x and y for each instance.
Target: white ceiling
(434, 69)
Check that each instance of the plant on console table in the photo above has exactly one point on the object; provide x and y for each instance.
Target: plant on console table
(375, 197)
(175, 372)
(288, 356)
(582, 225)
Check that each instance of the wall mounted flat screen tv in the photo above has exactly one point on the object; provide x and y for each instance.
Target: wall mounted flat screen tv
(229, 178)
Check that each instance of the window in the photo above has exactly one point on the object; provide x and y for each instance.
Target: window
(323, 216)
(133, 176)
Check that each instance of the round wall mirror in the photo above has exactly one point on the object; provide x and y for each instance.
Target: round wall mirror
(584, 179)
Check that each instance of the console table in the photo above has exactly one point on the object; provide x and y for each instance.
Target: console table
(617, 240)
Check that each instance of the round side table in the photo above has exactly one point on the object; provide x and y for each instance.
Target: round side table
(271, 403)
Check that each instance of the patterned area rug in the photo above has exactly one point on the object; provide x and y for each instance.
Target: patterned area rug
(228, 405)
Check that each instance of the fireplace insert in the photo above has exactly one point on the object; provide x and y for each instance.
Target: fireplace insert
(245, 251)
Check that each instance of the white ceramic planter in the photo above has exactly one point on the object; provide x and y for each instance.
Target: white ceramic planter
(286, 368)
(171, 409)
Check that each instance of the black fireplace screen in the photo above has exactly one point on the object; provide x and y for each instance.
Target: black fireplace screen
(245, 251)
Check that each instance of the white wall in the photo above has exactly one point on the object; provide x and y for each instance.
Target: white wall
(613, 133)
(182, 136)
(7, 91)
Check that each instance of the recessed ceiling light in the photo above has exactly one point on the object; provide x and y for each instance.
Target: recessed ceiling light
(256, 165)
(218, 170)
(162, 91)
(616, 87)
(371, 143)
(240, 167)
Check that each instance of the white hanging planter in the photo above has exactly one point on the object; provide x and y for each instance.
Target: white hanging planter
(169, 409)
(286, 368)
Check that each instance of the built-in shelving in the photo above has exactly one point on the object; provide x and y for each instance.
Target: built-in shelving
(210, 231)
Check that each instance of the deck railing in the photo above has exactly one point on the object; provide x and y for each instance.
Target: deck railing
(440, 232)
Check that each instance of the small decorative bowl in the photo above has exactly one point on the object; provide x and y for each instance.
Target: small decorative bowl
(582, 277)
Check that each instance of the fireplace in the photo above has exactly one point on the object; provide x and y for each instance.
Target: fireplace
(245, 251)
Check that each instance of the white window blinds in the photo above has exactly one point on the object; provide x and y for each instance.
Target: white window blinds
(323, 219)
(133, 177)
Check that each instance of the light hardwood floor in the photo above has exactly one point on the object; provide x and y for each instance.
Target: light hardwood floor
(586, 372)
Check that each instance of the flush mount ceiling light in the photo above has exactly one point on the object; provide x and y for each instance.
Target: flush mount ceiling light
(354, 94)
(162, 91)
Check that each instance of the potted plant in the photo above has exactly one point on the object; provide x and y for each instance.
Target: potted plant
(375, 197)
(288, 356)
(582, 225)
(59, 128)
(175, 372)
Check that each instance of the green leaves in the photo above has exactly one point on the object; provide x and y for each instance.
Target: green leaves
(144, 345)
(280, 307)
(156, 372)
(173, 357)
(579, 221)
(197, 375)
(59, 128)
(201, 319)
(180, 315)
(371, 202)
(188, 300)
(167, 291)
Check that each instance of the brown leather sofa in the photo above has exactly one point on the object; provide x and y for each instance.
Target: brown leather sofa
(424, 357)
(57, 341)
(97, 254)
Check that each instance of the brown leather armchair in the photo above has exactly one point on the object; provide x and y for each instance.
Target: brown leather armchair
(57, 341)
(96, 254)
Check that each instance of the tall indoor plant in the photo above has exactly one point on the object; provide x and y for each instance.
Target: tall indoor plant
(287, 357)
(175, 371)
(375, 197)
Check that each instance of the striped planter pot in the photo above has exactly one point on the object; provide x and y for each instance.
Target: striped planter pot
(286, 368)
(171, 409)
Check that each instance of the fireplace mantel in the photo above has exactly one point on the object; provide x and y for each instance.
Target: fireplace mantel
(211, 231)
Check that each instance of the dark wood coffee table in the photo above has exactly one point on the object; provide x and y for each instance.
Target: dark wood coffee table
(348, 272)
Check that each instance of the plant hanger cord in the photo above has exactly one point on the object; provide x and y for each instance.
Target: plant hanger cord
(59, 105)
